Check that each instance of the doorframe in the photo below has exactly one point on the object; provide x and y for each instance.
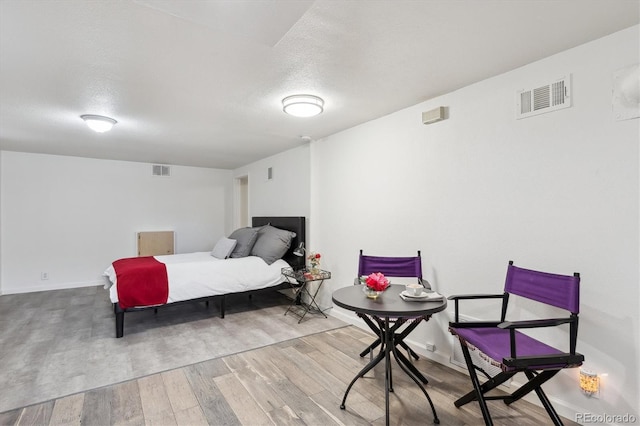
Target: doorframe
(241, 201)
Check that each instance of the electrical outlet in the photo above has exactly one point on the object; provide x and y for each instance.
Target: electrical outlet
(44, 276)
(430, 347)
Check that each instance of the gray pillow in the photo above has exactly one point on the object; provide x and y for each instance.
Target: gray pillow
(223, 248)
(272, 243)
(246, 238)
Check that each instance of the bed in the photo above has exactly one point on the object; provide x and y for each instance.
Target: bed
(254, 262)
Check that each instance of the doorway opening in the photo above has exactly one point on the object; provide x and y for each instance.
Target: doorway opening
(242, 202)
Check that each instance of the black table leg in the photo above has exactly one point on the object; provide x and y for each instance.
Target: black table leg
(313, 299)
(306, 307)
(401, 336)
(417, 382)
(376, 329)
(398, 339)
(388, 347)
(404, 360)
(387, 336)
(297, 299)
(389, 315)
(362, 372)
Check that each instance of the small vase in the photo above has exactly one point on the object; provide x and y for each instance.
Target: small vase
(371, 293)
(314, 270)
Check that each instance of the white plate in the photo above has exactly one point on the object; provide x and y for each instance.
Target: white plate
(422, 295)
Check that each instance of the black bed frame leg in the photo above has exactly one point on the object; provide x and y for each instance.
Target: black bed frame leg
(119, 324)
(222, 305)
(119, 320)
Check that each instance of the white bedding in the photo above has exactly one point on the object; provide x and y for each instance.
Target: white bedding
(195, 275)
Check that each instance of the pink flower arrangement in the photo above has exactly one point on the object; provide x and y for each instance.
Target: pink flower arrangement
(377, 281)
(314, 259)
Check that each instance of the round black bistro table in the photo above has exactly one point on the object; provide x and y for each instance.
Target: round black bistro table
(390, 312)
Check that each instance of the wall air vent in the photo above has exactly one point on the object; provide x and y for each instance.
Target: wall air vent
(160, 170)
(544, 98)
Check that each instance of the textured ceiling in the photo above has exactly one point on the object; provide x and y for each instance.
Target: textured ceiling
(201, 82)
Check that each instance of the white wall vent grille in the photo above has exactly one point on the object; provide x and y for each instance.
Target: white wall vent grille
(160, 170)
(544, 98)
(457, 358)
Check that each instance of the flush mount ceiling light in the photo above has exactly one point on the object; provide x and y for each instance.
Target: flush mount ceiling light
(302, 105)
(98, 123)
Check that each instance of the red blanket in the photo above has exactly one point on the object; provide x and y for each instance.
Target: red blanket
(141, 281)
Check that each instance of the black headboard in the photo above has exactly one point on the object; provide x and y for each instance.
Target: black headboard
(290, 223)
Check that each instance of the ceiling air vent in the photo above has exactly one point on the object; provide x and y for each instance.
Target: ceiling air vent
(160, 170)
(545, 98)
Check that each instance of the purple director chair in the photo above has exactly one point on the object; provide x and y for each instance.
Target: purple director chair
(514, 351)
(404, 267)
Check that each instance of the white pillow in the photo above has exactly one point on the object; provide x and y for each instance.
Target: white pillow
(223, 248)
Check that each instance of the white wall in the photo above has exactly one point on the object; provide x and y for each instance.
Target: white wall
(71, 217)
(1, 154)
(287, 193)
(557, 192)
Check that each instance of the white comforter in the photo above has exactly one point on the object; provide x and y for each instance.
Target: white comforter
(194, 275)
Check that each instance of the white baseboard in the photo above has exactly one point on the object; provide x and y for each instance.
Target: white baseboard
(50, 286)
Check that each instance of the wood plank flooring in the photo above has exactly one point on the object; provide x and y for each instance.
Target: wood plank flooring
(61, 342)
(297, 382)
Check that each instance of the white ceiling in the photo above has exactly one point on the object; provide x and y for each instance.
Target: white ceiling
(201, 82)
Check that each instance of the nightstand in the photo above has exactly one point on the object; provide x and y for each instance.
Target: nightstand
(299, 279)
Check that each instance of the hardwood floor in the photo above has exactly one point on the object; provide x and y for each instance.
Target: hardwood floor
(61, 342)
(297, 382)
